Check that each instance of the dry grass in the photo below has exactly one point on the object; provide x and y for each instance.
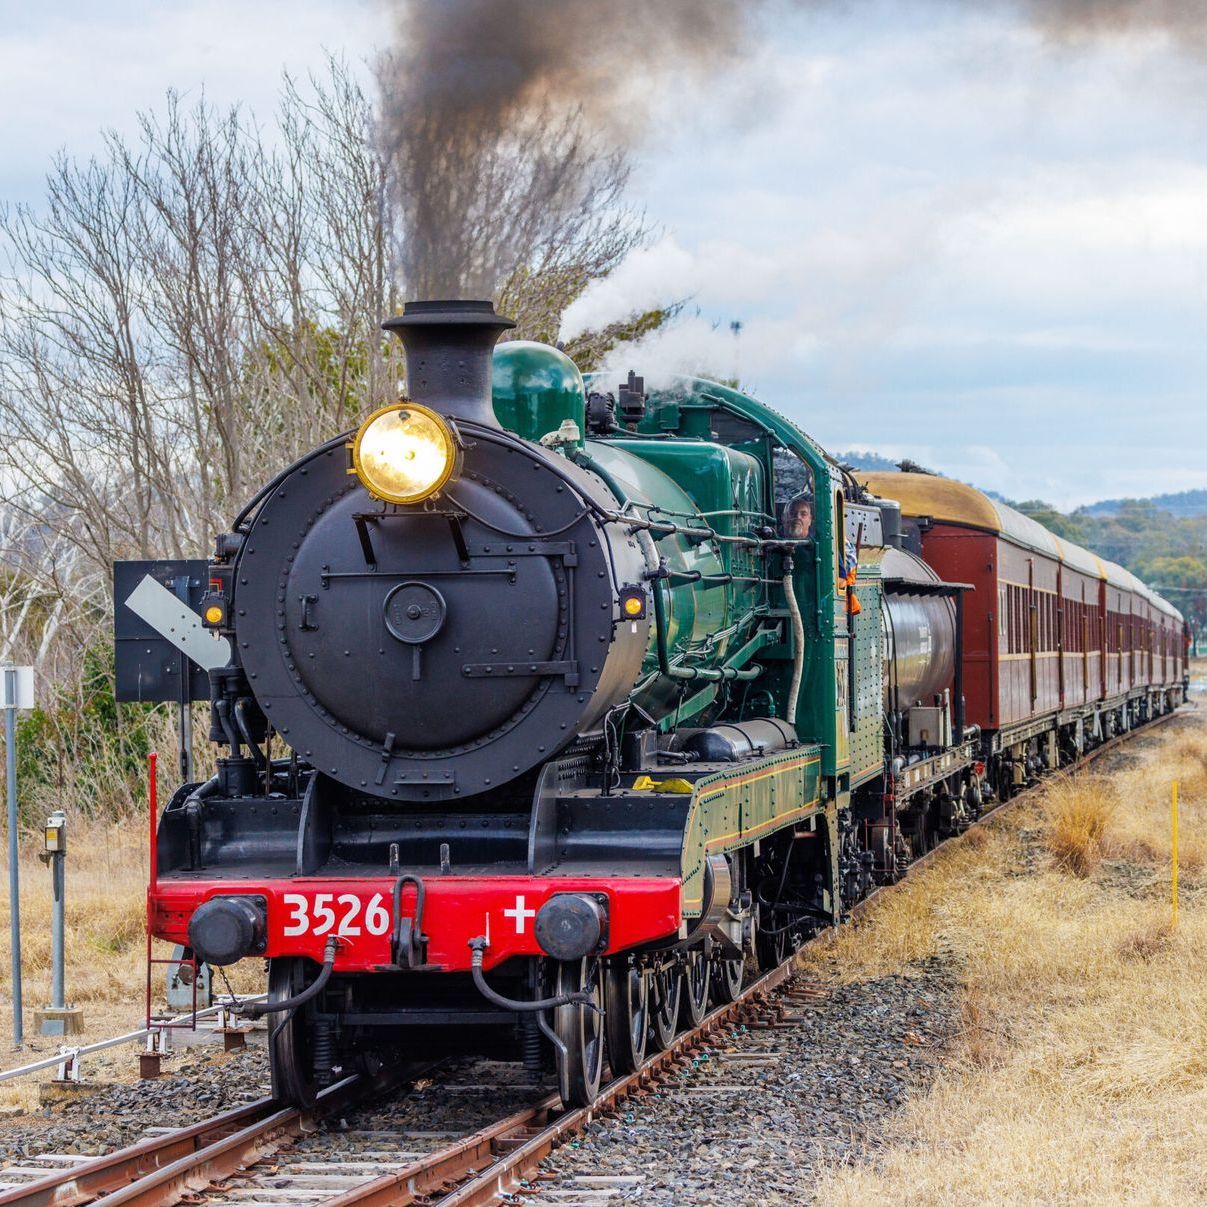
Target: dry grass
(1078, 810)
(1079, 1075)
(106, 915)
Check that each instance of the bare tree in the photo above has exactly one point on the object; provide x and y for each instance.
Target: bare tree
(41, 589)
(187, 312)
(197, 305)
(588, 349)
(201, 302)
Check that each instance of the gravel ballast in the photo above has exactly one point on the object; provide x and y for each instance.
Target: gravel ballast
(755, 1117)
(749, 1121)
(200, 1085)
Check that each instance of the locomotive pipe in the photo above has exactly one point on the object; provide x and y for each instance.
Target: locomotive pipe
(666, 528)
(192, 813)
(798, 636)
(659, 527)
(222, 710)
(449, 346)
(705, 674)
(580, 998)
(241, 721)
(257, 1009)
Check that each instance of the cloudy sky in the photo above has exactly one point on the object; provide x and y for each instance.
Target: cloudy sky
(946, 236)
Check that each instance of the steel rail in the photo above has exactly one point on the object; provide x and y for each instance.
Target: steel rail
(104, 1175)
(492, 1162)
(162, 1168)
(68, 1053)
(212, 1163)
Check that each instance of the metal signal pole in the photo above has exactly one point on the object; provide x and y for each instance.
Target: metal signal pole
(14, 885)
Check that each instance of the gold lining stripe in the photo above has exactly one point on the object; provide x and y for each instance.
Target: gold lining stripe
(753, 777)
(779, 817)
(810, 809)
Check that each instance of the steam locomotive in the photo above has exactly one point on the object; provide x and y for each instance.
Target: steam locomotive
(595, 701)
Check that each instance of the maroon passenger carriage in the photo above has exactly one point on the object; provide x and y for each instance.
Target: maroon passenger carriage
(1061, 650)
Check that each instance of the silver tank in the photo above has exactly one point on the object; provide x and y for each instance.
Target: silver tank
(919, 634)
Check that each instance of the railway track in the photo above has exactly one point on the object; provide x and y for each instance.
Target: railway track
(177, 1161)
(262, 1155)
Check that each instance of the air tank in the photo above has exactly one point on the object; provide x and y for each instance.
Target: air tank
(919, 633)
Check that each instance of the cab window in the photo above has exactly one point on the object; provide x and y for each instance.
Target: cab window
(795, 501)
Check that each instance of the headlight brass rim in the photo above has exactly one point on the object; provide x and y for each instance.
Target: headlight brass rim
(372, 480)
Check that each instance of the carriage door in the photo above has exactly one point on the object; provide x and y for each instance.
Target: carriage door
(1032, 630)
(1059, 604)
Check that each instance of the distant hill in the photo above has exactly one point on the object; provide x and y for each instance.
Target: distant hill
(872, 462)
(1184, 503)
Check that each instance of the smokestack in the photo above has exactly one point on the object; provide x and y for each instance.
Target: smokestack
(449, 346)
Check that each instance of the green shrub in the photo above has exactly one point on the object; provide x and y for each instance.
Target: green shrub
(82, 751)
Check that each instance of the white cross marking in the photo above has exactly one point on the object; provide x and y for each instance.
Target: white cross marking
(520, 914)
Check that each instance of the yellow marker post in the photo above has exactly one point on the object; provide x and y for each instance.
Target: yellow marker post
(1174, 850)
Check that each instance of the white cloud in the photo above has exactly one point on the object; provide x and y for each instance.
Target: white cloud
(955, 241)
(69, 70)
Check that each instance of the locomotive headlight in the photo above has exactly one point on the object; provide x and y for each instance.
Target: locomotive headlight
(405, 453)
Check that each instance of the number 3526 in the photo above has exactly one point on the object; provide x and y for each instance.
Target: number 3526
(343, 914)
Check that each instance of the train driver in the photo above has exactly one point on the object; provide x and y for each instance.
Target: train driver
(798, 517)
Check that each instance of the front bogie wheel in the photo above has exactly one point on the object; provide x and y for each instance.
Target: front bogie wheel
(581, 1033)
(291, 1035)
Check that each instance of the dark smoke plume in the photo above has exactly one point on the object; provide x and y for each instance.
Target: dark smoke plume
(1078, 21)
(505, 125)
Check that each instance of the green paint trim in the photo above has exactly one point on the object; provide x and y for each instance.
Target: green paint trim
(732, 809)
